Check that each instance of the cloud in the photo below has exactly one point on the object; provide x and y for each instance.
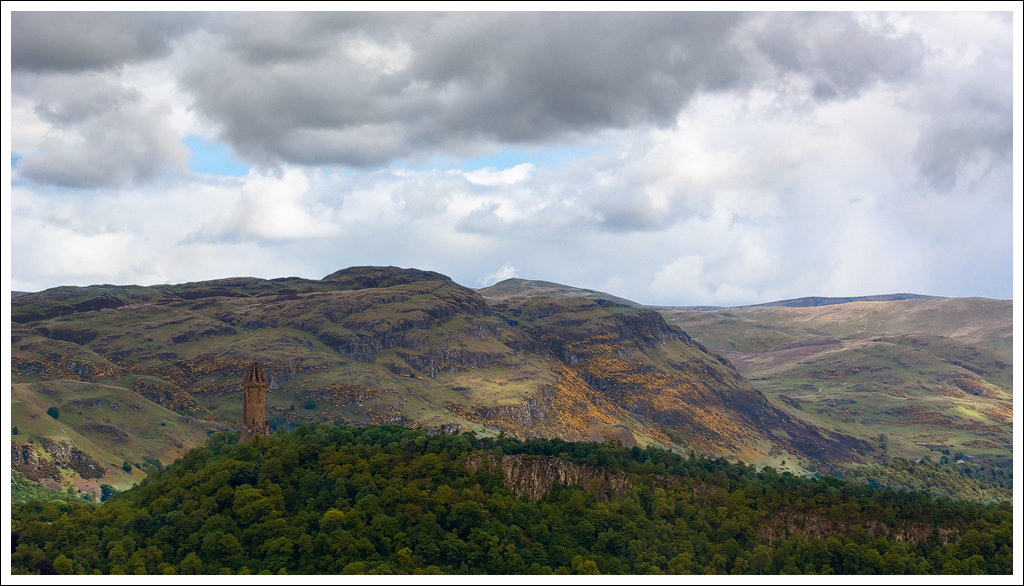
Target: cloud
(838, 54)
(270, 208)
(969, 118)
(362, 92)
(121, 136)
(83, 41)
(506, 271)
(492, 176)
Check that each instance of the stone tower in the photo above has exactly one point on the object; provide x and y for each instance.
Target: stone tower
(254, 405)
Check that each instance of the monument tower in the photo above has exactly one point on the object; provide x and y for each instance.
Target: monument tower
(254, 405)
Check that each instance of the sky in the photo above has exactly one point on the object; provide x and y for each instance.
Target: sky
(675, 158)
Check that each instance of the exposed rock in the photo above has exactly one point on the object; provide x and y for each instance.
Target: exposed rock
(66, 454)
(534, 475)
(118, 436)
(786, 522)
(28, 461)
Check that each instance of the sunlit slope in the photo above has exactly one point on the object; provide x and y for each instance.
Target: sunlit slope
(386, 345)
(859, 364)
(522, 289)
(619, 365)
(920, 400)
(98, 427)
(973, 321)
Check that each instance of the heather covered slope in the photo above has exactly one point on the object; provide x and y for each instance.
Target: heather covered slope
(386, 345)
(933, 376)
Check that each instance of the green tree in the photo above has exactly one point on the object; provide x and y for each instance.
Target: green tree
(53, 412)
(192, 564)
(63, 565)
(106, 492)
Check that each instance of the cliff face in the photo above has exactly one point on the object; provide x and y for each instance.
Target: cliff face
(534, 475)
(786, 522)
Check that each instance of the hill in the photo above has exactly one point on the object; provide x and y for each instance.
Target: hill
(383, 345)
(330, 499)
(522, 289)
(931, 375)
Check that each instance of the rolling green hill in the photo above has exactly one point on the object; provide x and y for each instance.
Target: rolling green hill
(522, 289)
(934, 375)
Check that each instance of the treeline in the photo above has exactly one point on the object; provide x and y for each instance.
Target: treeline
(24, 490)
(966, 480)
(391, 500)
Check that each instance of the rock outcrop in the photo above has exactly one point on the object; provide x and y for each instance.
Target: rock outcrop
(66, 454)
(786, 522)
(27, 460)
(535, 475)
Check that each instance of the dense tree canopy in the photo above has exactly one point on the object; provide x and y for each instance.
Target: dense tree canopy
(327, 499)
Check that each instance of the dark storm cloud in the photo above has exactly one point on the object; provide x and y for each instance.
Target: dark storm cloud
(839, 55)
(365, 92)
(80, 41)
(124, 137)
(364, 89)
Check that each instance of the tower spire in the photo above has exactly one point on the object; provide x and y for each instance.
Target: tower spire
(254, 404)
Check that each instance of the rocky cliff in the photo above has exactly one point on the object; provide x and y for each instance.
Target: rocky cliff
(534, 475)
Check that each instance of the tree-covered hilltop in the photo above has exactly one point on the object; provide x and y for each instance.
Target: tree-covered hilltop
(327, 499)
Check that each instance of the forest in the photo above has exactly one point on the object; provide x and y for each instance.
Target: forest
(326, 499)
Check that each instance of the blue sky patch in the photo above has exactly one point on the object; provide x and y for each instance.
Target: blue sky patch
(209, 156)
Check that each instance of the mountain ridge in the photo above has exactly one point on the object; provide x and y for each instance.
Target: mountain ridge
(387, 345)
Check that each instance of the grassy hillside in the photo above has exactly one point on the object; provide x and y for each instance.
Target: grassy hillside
(522, 289)
(98, 427)
(985, 323)
(384, 345)
(378, 345)
(934, 375)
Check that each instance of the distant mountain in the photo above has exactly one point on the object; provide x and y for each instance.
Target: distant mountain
(387, 345)
(820, 301)
(933, 374)
(520, 289)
